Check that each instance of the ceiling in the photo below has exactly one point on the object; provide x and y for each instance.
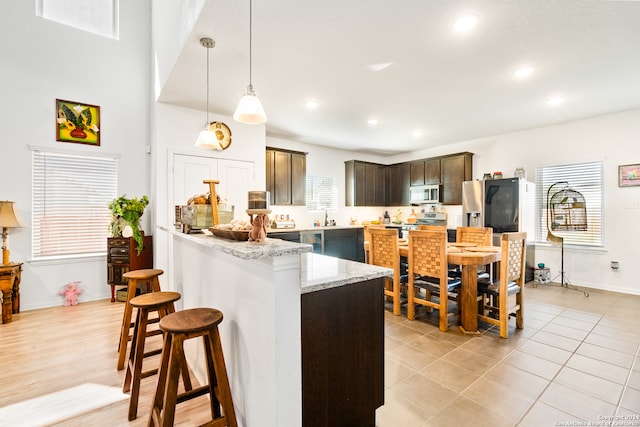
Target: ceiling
(452, 87)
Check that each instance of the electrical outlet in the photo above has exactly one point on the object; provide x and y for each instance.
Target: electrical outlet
(632, 204)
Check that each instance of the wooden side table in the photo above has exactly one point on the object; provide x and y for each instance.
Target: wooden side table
(10, 288)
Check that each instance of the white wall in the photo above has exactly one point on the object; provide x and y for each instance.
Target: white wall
(40, 61)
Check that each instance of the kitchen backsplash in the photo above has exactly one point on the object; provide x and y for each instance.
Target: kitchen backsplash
(305, 218)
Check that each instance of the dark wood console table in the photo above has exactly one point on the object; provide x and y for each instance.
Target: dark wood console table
(10, 287)
(122, 256)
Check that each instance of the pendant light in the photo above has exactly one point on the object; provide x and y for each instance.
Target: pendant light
(249, 108)
(207, 138)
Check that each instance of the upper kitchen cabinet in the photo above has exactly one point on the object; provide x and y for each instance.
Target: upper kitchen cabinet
(398, 184)
(456, 169)
(425, 172)
(365, 184)
(286, 177)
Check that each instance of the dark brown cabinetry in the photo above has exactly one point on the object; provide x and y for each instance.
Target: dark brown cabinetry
(455, 169)
(398, 184)
(365, 184)
(122, 256)
(345, 243)
(286, 177)
(425, 172)
(372, 184)
(345, 393)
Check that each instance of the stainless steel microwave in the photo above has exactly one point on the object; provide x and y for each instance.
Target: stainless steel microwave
(424, 194)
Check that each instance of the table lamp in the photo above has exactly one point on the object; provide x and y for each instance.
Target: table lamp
(8, 219)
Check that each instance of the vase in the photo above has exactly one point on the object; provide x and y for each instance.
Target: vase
(78, 133)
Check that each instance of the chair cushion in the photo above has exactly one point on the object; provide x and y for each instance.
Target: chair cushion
(486, 287)
(433, 283)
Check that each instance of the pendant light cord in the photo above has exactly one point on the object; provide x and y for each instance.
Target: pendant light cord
(250, 41)
(207, 125)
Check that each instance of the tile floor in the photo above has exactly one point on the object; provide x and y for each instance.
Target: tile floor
(576, 362)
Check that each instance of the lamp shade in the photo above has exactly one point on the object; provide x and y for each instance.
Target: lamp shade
(250, 109)
(208, 139)
(8, 216)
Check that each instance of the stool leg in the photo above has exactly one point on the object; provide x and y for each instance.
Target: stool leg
(138, 356)
(126, 324)
(158, 398)
(214, 400)
(221, 378)
(126, 385)
(171, 390)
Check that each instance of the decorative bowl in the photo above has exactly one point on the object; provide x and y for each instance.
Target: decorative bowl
(241, 235)
(541, 265)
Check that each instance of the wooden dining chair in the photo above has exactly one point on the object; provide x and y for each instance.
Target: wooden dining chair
(496, 304)
(480, 236)
(383, 251)
(428, 270)
(367, 239)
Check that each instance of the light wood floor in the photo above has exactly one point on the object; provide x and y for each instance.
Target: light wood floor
(53, 349)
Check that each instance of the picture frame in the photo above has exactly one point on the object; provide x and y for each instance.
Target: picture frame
(77, 122)
(629, 175)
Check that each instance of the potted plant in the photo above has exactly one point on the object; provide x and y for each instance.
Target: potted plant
(125, 218)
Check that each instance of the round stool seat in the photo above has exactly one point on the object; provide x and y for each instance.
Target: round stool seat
(154, 299)
(191, 320)
(145, 273)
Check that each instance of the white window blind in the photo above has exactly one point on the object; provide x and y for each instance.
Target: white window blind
(322, 193)
(585, 178)
(71, 193)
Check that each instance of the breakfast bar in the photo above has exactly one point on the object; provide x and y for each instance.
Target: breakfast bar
(302, 335)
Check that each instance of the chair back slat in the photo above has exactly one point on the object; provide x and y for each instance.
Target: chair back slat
(383, 247)
(481, 236)
(427, 253)
(513, 257)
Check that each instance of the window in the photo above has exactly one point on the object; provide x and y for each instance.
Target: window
(70, 197)
(95, 16)
(322, 193)
(586, 179)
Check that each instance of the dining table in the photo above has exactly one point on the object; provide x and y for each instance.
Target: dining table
(469, 256)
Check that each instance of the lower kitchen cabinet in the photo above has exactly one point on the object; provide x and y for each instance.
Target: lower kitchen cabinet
(345, 243)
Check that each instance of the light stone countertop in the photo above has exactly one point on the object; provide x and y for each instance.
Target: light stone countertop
(317, 272)
(246, 250)
(320, 272)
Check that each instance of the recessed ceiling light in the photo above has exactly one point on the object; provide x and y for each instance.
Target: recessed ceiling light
(417, 134)
(523, 72)
(311, 104)
(373, 122)
(465, 23)
(555, 100)
(379, 67)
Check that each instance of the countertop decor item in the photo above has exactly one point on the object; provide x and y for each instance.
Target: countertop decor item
(127, 213)
(77, 122)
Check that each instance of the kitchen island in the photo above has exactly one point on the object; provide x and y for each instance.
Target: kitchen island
(303, 334)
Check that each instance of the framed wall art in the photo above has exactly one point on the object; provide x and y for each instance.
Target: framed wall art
(77, 122)
(628, 175)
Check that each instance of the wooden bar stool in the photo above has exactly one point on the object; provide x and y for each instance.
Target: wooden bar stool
(162, 303)
(149, 276)
(178, 327)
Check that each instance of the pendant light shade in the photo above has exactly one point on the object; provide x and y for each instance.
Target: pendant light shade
(249, 108)
(207, 138)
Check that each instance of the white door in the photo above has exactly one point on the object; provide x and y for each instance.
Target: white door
(188, 174)
(236, 178)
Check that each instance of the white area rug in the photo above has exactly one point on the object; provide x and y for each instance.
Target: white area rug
(59, 406)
